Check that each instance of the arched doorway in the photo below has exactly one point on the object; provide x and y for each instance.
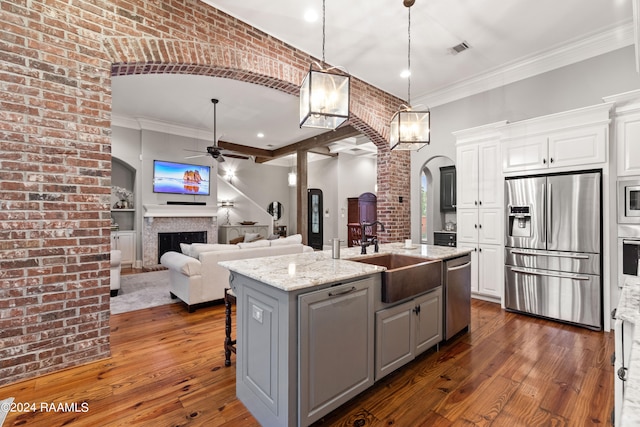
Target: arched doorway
(435, 210)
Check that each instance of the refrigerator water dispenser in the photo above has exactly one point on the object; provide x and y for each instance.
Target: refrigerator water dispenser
(520, 221)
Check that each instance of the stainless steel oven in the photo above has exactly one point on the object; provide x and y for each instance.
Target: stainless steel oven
(629, 201)
(628, 252)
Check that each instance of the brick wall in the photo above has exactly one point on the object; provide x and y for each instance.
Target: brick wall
(56, 63)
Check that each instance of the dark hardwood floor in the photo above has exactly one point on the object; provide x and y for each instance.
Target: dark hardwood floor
(167, 369)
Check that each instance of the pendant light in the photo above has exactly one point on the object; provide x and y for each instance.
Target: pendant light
(409, 129)
(324, 95)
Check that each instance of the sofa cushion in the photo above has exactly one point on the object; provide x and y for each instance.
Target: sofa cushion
(198, 248)
(256, 244)
(289, 240)
(184, 264)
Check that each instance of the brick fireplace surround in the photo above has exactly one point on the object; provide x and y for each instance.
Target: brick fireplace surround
(57, 60)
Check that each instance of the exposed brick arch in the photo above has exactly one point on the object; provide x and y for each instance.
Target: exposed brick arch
(369, 115)
(57, 59)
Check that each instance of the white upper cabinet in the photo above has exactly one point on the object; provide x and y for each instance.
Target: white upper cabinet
(565, 140)
(627, 132)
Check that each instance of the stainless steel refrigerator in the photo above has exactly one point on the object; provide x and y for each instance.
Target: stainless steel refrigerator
(553, 246)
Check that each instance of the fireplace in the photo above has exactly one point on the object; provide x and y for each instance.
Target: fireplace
(171, 241)
(160, 219)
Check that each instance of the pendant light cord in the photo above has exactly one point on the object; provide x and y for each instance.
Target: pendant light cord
(409, 59)
(323, 32)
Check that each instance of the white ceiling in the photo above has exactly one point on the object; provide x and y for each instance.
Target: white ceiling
(509, 40)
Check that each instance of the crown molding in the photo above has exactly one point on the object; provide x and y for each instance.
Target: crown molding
(567, 54)
(140, 123)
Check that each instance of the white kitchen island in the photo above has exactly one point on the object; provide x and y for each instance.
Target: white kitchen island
(306, 330)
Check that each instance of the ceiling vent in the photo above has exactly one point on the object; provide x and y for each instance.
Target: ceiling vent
(459, 48)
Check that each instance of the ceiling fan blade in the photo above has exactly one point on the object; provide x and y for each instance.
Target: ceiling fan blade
(195, 157)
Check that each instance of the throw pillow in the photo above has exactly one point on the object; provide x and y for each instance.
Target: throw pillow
(186, 248)
(251, 237)
(273, 237)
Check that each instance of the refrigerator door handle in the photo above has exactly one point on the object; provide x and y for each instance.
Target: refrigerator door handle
(542, 273)
(555, 255)
(548, 214)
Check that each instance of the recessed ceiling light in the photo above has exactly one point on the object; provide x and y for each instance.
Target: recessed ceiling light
(260, 135)
(405, 73)
(311, 15)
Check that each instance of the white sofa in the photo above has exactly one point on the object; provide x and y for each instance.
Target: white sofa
(116, 268)
(197, 279)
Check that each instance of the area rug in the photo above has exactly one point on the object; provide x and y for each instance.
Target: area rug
(143, 290)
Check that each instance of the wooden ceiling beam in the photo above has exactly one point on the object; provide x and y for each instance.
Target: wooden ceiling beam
(315, 144)
(317, 141)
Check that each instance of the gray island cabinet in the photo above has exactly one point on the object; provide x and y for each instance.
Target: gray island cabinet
(312, 333)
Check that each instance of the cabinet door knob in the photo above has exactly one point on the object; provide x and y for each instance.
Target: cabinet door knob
(475, 225)
(479, 225)
(475, 202)
(622, 373)
(544, 161)
(480, 202)
(551, 160)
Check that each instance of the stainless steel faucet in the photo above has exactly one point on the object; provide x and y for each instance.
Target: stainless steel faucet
(363, 241)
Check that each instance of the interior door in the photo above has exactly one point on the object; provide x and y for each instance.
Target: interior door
(314, 221)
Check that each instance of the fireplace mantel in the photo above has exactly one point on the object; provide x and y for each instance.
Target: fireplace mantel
(180, 211)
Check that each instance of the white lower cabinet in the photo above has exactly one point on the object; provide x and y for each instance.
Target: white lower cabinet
(125, 242)
(487, 270)
(406, 330)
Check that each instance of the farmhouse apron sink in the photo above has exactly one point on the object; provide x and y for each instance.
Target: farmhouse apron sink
(406, 275)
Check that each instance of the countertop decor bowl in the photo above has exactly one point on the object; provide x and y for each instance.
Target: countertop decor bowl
(247, 223)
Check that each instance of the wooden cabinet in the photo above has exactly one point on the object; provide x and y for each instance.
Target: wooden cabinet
(627, 132)
(125, 242)
(406, 330)
(230, 232)
(448, 189)
(487, 270)
(559, 141)
(478, 175)
(336, 347)
(480, 207)
(363, 208)
(575, 147)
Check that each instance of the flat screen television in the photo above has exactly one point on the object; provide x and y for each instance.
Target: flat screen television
(181, 178)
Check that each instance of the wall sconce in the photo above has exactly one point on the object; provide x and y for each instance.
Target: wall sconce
(229, 175)
(227, 204)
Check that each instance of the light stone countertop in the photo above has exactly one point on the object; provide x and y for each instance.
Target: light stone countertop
(629, 310)
(299, 271)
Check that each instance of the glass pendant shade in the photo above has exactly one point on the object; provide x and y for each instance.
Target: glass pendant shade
(410, 130)
(292, 179)
(324, 100)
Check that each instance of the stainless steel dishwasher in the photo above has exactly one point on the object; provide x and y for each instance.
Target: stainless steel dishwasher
(457, 295)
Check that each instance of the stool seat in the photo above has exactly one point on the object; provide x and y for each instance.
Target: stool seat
(229, 344)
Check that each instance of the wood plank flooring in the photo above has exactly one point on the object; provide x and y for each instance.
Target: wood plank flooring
(167, 369)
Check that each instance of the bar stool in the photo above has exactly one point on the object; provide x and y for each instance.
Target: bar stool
(229, 344)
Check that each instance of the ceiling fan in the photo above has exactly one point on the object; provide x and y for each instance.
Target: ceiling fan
(215, 150)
